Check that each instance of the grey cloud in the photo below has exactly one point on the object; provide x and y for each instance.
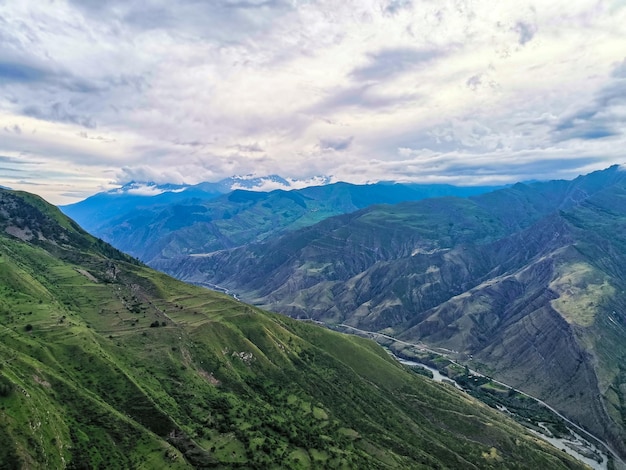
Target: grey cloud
(99, 138)
(27, 69)
(224, 20)
(395, 6)
(474, 82)
(11, 170)
(525, 30)
(19, 72)
(59, 113)
(15, 129)
(584, 125)
(521, 169)
(597, 120)
(620, 70)
(151, 18)
(612, 94)
(391, 62)
(5, 159)
(336, 143)
(249, 148)
(498, 166)
(77, 194)
(364, 96)
(30, 183)
(252, 4)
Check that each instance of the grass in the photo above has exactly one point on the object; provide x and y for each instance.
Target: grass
(581, 289)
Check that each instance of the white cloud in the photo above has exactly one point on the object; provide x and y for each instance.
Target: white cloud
(456, 91)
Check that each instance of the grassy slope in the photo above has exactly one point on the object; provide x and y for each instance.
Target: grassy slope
(86, 382)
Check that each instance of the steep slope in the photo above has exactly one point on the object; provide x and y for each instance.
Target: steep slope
(533, 271)
(194, 220)
(106, 363)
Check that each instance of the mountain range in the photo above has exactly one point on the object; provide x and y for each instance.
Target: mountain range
(153, 222)
(106, 363)
(525, 284)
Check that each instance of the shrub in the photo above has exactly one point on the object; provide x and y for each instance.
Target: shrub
(6, 386)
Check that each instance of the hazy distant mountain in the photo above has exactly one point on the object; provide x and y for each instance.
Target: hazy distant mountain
(196, 219)
(109, 364)
(528, 282)
(98, 209)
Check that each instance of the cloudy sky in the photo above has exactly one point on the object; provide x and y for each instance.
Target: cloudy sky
(95, 93)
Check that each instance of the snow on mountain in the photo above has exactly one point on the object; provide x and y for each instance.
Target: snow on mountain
(247, 182)
(273, 182)
(148, 188)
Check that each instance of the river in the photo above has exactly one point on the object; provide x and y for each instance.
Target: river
(576, 446)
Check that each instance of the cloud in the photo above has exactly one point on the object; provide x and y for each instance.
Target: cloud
(255, 147)
(59, 112)
(474, 82)
(473, 91)
(620, 70)
(388, 63)
(367, 96)
(526, 31)
(603, 116)
(337, 143)
(16, 72)
(15, 129)
(395, 6)
(224, 20)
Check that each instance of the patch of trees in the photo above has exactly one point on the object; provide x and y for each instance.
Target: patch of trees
(6, 386)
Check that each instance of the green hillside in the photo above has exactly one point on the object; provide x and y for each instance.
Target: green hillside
(105, 363)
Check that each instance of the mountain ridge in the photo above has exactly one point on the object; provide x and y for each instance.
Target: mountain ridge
(474, 276)
(193, 221)
(107, 363)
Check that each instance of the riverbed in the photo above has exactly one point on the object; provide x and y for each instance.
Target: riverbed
(567, 445)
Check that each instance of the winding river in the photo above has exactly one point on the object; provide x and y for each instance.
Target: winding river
(571, 445)
(567, 445)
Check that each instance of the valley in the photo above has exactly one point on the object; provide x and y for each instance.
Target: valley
(107, 363)
(439, 366)
(209, 216)
(533, 271)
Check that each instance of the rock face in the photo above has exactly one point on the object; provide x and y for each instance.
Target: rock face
(528, 282)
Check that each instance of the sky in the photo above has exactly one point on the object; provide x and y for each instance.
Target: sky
(94, 94)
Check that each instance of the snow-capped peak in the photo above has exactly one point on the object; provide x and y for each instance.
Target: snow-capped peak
(148, 188)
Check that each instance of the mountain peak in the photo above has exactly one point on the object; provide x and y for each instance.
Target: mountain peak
(250, 182)
(147, 188)
(28, 217)
(273, 182)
